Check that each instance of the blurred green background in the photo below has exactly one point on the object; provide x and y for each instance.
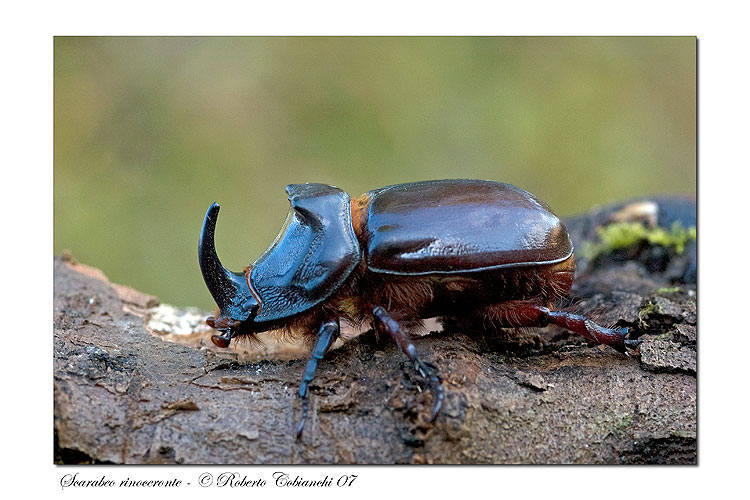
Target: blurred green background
(150, 131)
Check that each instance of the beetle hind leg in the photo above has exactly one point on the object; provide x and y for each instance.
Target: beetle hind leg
(519, 314)
(425, 370)
(613, 337)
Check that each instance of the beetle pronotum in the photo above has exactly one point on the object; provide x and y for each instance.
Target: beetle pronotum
(402, 253)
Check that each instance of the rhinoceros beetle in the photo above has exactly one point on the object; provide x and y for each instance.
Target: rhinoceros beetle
(396, 255)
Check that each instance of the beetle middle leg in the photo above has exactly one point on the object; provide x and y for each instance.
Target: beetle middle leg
(327, 334)
(394, 330)
(514, 314)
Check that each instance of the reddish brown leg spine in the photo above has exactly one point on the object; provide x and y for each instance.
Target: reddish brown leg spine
(394, 330)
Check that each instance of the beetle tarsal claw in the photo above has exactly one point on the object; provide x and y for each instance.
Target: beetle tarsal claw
(633, 344)
(429, 372)
(303, 418)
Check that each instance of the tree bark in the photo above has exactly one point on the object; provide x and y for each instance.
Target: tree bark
(124, 395)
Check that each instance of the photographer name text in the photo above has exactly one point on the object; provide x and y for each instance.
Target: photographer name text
(207, 480)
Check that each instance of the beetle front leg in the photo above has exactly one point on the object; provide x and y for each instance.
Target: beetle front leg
(395, 331)
(327, 334)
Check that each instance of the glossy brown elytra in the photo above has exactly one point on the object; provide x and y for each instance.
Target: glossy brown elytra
(448, 248)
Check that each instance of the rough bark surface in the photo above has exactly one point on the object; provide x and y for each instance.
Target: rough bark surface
(122, 394)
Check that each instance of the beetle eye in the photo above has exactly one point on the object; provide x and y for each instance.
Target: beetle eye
(211, 321)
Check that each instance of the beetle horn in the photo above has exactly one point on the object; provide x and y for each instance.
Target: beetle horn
(228, 289)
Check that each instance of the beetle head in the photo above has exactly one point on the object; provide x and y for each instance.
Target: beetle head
(230, 290)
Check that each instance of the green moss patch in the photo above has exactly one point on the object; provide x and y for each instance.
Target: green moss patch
(649, 309)
(623, 235)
